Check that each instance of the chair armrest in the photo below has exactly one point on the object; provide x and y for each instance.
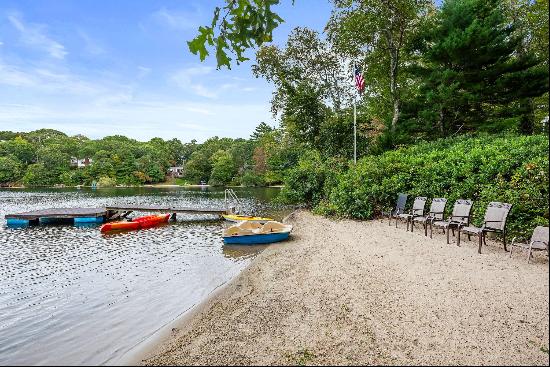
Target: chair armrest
(460, 216)
(433, 214)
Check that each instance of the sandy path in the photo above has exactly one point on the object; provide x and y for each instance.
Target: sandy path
(346, 292)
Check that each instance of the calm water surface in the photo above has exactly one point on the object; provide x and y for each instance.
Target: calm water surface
(71, 295)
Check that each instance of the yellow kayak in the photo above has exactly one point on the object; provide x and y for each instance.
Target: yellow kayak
(239, 218)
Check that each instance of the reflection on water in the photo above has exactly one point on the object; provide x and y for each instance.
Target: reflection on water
(71, 295)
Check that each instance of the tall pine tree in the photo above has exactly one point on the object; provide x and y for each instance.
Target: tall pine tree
(471, 75)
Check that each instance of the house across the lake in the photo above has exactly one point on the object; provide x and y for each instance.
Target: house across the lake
(175, 171)
(81, 163)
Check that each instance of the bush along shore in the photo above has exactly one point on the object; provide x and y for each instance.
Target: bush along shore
(507, 168)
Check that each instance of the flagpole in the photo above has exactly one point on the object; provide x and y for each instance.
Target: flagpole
(354, 128)
(354, 117)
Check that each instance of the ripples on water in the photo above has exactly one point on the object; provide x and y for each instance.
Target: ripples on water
(71, 295)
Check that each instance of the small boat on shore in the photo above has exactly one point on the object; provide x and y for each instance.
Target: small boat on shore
(147, 221)
(239, 218)
(252, 233)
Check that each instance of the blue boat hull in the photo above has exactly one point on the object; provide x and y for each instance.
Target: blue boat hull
(256, 239)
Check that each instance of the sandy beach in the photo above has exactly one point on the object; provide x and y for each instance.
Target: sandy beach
(350, 292)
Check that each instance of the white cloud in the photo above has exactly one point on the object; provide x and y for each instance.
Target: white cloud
(186, 79)
(34, 35)
(43, 79)
(114, 99)
(91, 46)
(198, 80)
(141, 120)
(143, 71)
(175, 20)
(12, 76)
(202, 111)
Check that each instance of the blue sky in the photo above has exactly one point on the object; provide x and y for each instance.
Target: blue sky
(101, 68)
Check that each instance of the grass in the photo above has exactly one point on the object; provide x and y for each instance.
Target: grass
(301, 358)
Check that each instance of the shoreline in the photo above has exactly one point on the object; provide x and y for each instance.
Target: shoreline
(130, 186)
(146, 348)
(351, 292)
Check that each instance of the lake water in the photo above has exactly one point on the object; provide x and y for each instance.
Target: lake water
(71, 295)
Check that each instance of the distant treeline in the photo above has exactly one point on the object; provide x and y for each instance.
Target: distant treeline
(48, 157)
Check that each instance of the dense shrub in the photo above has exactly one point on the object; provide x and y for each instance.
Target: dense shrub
(308, 180)
(511, 169)
(250, 179)
(10, 169)
(106, 181)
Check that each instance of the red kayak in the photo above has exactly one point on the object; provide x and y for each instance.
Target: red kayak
(152, 220)
(137, 223)
(119, 226)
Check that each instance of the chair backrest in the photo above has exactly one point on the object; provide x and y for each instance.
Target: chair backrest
(461, 211)
(401, 202)
(437, 207)
(540, 235)
(419, 205)
(496, 214)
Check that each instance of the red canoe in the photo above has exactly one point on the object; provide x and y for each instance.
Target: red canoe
(137, 223)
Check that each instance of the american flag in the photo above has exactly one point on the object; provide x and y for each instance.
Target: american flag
(359, 81)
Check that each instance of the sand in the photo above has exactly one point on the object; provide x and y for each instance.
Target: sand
(349, 292)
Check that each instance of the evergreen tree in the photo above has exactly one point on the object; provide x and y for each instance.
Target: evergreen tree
(471, 76)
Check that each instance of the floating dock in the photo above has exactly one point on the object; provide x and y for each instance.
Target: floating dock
(46, 216)
(98, 215)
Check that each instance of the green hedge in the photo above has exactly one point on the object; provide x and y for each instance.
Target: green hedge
(307, 182)
(512, 169)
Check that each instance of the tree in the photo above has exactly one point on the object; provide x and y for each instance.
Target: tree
(471, 74)
(38, 175)
(54, 161)
(306, 60)
(241, 154)
(531, 25)
(238, 26)
(379, 31)
(303, 114)
(10, 169)
(103, 165)
(20, 148)
(261, 130)
(223, 168)
(152, 168)
(43, 136)
(198, 167)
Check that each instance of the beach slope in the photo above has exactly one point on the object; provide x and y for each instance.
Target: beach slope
(348, 292)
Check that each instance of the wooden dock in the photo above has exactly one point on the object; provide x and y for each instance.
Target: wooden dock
(99, 215)
(166, 209)
(115, 212)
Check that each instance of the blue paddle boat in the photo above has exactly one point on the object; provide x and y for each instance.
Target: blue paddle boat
(252, 233)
